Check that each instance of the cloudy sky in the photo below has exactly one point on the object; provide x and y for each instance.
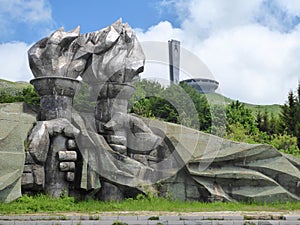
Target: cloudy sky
(251, 47)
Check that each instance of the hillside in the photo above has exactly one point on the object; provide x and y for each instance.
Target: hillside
(14, 87)
(220, 99)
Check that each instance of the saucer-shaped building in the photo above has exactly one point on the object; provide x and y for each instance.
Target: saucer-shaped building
(203, 85)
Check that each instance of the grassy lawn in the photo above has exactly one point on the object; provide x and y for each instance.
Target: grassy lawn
(45, 204)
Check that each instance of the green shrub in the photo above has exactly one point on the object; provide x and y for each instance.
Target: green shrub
(286, 143)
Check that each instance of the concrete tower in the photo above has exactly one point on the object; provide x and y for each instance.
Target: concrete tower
(174, 60)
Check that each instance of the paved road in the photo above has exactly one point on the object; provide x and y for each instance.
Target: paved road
(213, 218)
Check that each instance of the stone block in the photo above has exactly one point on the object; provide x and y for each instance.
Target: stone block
(236, 217)
(292, 217)
(222, 222)
(5, 222)
(109, 218)
(67, 156)
(63, 222)
(191, 217)
(176, 222)
(289, 222)
(241, 222)
(25, 222)
(143, 222)
(155, 222)
(169, 218)
(129, 218)
(213, 217)
(268, 222)
(143, 217)
(47, 222)
(67, 166)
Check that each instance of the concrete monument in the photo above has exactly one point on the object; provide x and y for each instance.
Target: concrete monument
(110, 154)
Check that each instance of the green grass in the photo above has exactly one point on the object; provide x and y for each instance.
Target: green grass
(275, 109)
(222, 100)
(45, 204)
(5, 84)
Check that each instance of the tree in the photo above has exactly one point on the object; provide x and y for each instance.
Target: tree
(218, 120)
(236, 113)
(163, 109)
(180, 104)
(259, 120)
(28, 95)
(290, 115)
(273, 125)
(265, 123)
(203, 109)
(237, 132)
(286, 143)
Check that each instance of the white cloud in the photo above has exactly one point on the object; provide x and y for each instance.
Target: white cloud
(291, 6)
(14, 62)
(29, 11)
(218, 15)
(36, 15)
(163, 31)
(254, 61)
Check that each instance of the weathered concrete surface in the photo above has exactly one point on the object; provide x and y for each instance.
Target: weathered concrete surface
(116, 61)
(47, 146)
(57, 55)
(39, 139)
(117, 57)
(227, 170)
(56, 96)
(16, 121)
(195, 166)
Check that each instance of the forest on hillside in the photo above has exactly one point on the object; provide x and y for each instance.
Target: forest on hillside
(184, 105)
(232, 121)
